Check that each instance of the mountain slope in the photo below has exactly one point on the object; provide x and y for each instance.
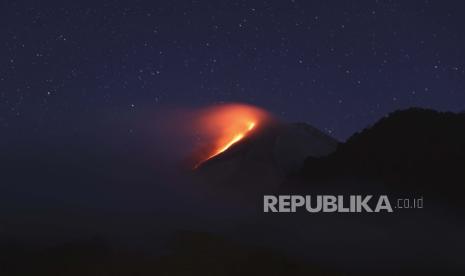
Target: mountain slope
(263, 159)
(414, 150)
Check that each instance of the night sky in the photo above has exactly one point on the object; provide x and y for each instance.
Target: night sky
(338, 65)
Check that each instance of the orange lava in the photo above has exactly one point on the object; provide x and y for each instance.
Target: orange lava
(222, 126)
(229, 141)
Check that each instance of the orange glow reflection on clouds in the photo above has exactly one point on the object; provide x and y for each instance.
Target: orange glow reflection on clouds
(224, 125)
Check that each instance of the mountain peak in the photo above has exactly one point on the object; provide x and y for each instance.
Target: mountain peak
(264, 158)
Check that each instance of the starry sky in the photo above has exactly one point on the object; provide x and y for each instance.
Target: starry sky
(338, 65)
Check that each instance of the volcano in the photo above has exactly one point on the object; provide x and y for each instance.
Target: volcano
(262, 160)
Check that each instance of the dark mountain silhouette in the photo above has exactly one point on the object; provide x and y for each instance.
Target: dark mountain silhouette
(414, 150)
(262, 160)
(55, 197)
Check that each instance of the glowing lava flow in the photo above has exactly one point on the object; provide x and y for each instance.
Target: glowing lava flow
(222, 126)
(234, 140)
